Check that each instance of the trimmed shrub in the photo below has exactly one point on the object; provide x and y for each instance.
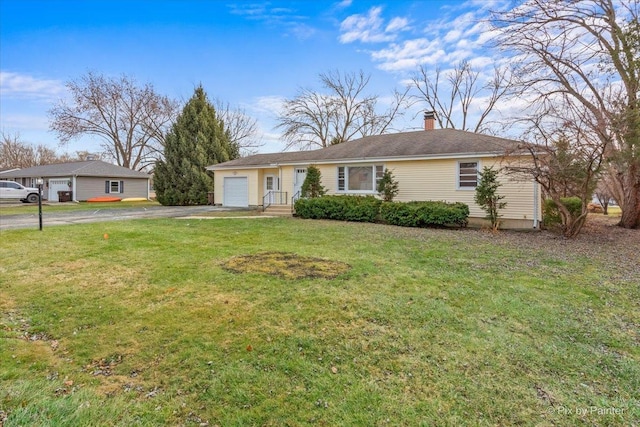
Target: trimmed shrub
(341, 208)
(371, 209)
(425, 214)
(551, 214)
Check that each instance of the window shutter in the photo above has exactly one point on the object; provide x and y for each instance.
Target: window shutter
(122, 186)
(106, 187)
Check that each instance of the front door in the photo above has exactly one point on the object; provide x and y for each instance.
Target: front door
(271, 189)
(298, 179)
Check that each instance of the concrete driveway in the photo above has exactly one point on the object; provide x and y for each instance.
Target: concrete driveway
(99, 215)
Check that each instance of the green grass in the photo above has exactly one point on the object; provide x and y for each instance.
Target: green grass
(426, 327)
(32, 208)
(614, 210)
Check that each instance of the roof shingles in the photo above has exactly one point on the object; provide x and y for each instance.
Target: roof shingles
(433, 143)
(95, 168)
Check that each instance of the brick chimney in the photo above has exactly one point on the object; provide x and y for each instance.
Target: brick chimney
(429, 120)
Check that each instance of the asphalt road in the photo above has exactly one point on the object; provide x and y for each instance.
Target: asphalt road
(99, 215)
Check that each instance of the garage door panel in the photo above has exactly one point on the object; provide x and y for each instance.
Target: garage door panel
(56, 185)
(236, 192)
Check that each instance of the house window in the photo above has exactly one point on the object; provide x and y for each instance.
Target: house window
(114, 187)
(359, 179)
(341, 178)
(467, 175)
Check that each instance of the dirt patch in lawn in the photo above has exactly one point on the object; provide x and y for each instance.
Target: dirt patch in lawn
(286, 265)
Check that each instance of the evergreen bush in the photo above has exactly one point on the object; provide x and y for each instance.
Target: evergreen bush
(312, 185)
(388, 187)
(371, 209)
(425, 214)
(341, 208)
(551, 214)
(487, 196)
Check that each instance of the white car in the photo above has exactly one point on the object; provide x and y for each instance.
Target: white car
(13, 190)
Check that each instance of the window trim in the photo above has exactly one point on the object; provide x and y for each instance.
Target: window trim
(478, 166)
(109, 185)
(342, 177)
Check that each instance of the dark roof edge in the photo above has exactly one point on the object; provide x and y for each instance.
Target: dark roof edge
(473, 154)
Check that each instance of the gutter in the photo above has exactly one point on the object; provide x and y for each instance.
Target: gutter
(361, 160)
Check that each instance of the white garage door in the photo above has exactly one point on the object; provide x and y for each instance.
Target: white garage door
(56, 185)
(236, 192)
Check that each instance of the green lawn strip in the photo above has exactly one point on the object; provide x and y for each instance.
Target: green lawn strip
(428, 327)
(31, 208)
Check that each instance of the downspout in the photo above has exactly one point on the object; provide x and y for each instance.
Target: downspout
(73, 188)
(536, 204)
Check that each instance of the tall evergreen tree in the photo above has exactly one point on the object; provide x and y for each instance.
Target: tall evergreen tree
(196, 140)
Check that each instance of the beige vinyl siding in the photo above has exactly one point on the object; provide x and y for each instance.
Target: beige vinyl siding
(426, 180)
(253, 182)
(327, 172)
(519, 194)
(286, 180)
(437, 180)
(88, 187)
(329, 177)
(287, 175)
(261, 176)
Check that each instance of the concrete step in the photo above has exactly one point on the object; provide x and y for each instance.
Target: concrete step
(279, 210)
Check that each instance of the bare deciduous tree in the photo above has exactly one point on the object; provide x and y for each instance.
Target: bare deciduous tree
(241, 127)
(586, 54)
(15, 153)
(129, 120)
(455, 95)
(566, 162)
(343, 112)
(604, 193)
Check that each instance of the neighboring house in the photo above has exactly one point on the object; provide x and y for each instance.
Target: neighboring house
(8, 170)
(86, 179)
(438, 164)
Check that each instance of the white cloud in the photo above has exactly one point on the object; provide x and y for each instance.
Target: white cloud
(460, 32)
(343, 4)
(365, 28)
(409, 54)
(21, 122)
(266, 104)
(16, 85)
(452, 36)
(301, 31)
(370, 27)
(481, 62)
(284, 19)
(397, 24)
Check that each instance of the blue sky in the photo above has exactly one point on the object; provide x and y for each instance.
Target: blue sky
(251, 54)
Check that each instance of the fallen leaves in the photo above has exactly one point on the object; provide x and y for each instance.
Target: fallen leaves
(104, 366)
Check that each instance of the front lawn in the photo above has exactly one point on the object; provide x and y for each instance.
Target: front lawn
(172, 322)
